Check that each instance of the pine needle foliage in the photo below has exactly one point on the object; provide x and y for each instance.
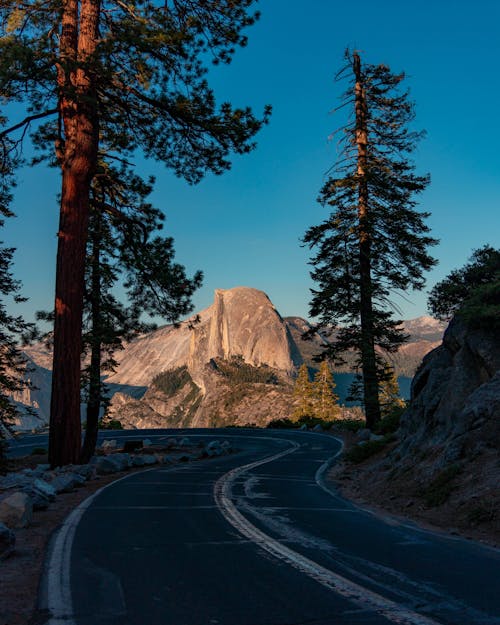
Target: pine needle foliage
(326, 406)
(472, 292)
(389, 394)
(103, 79)
(13, 328)
(303, 394)
(374, 242)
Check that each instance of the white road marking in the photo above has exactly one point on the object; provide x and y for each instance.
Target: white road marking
(58, 571)
(352, 591)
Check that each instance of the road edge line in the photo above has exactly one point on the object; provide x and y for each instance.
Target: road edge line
(350, 590)
(54, 596)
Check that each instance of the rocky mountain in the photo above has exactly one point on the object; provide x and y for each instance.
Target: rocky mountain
(232, 362)
(425, 334)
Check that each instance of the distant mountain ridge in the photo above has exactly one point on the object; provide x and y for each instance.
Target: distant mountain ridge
(425, 334)
(243, 328)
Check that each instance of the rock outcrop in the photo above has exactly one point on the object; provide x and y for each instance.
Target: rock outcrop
(455, 395)
(442, 466)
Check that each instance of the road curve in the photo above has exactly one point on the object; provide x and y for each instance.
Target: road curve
(257, 538)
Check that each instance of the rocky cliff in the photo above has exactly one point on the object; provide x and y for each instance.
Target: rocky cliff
(219, 364)
(443, 465)
(241, 327)
(425, 334)
(243, 324)
(455, 396)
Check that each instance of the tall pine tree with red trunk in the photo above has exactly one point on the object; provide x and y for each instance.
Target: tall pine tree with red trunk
(78, 114)
(109, 78)
(374, 243)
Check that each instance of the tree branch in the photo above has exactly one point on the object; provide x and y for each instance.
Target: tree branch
(27, 120)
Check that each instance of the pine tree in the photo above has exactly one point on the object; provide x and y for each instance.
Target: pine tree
(326, 405)
(109, 79)
(12, 327)
(374, 242)
(303, 394)
(389, 394)
(152, 281)
(473, 291)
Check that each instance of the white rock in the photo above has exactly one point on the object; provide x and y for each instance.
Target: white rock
(138, 461)
(124, 461)
(109, 444)
(105, 465)
(66, 482)
(16, 510)
(46, 489)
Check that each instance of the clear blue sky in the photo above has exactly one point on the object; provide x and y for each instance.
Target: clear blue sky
(243, 228)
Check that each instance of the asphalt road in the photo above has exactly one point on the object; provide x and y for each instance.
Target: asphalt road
(257, 538)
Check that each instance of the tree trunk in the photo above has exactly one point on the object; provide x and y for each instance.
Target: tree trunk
(368, 359)
(94, 391)
(78, 111)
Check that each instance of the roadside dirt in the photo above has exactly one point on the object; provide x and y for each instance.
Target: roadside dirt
(472, 509)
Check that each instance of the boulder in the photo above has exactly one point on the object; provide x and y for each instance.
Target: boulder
(67, 482)
(139, 461)
(86, 471)
(16, 510)
(123, 460)
(14, 481)
(317, 428)
(184, 442)
(109, 444)
(146, 442)
(214, 451)
(41, 493)
(7, 541)
(303, 427)
(213, 445)
(105, 465)
(150, 459)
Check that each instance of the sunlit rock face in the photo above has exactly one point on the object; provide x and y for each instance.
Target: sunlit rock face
(242, 322)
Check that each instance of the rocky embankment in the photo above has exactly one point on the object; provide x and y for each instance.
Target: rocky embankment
(444, 463)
